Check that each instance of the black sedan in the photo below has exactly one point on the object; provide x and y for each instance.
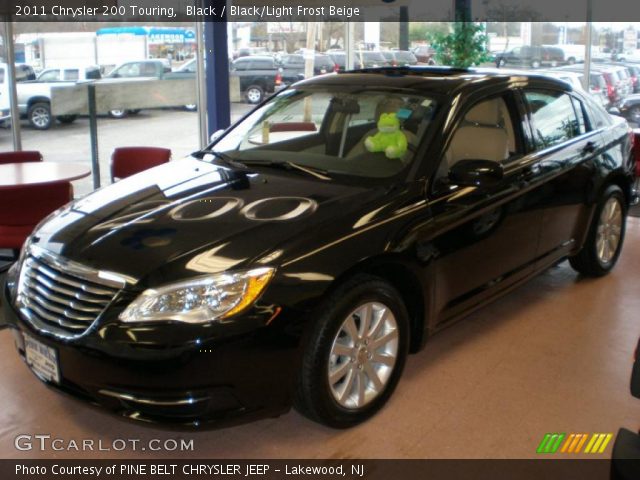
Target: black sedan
(314, 244)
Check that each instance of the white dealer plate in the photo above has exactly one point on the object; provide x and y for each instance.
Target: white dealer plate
(42, 359)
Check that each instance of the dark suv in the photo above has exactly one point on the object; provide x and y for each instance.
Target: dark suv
(531, 56)
(302, 255)
(293, 66)
(259, 75)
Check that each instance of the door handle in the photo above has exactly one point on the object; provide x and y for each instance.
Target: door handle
(590, 147)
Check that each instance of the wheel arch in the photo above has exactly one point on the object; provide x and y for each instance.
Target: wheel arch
(405, 277)
(39, 99)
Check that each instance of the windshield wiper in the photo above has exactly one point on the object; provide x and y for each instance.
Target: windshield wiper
(314, 172)
(225, 158)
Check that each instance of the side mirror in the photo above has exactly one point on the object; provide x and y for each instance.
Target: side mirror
(216, 135)
(476, 173)
(614, 111)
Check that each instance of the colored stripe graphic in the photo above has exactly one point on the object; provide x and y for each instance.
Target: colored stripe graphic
(573, 443)
(550, 443)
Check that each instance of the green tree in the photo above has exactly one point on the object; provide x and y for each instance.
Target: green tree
(465, 45)
(420, 32)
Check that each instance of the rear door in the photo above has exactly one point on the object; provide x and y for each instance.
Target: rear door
(565, 146)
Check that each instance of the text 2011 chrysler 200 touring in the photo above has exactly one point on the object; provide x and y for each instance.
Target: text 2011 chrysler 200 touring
(331, 231)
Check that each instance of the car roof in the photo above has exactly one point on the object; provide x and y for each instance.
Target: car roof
(443, 80)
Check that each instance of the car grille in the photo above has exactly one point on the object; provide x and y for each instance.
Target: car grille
(62, 296)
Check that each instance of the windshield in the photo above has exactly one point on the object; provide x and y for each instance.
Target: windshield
(340, 130)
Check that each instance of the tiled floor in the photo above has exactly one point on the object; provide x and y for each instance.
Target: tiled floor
(553, 356)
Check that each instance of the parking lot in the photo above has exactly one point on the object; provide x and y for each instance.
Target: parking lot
(174, 129)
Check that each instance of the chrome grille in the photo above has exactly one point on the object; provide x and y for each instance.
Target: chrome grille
(63, 296)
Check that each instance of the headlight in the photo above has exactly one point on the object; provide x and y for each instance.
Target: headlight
(200, 300)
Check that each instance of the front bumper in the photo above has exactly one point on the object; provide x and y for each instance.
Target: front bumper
(227, 380)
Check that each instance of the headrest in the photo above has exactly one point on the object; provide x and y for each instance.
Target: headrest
(487, 113)
(389, 105)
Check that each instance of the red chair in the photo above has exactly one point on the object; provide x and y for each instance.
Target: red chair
(20, 157)
(24, 206)
(127, 161)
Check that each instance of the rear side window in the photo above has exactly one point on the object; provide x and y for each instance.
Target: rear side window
(50, 76)
(71, 74)
(1, 75)
(553, 117)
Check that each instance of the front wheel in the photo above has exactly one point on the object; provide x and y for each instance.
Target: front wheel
(535, 64)
(602, 248)
(354, 354)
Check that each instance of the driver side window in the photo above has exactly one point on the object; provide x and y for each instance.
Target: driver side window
(486, 132)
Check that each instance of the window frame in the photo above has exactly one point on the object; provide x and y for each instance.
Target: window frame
(509, 96)
(531, 137)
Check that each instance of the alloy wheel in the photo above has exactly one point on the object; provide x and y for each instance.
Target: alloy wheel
(609, 231)
(363, 355)
(40, 117)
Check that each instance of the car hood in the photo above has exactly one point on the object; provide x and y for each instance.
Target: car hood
(195, 216)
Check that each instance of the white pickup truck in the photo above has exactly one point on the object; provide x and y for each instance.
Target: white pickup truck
(34, 97)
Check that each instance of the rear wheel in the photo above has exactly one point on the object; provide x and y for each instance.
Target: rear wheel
(602, 248)
(39, 116)
(66, 119)
(501, 63)
(254, 94)
(355, 353)
(118, 113)
(535, 64)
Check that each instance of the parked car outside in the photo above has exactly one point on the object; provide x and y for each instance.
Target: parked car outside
(293, 66)
(531, 56)
(295, 260)
(400, 58)
(424, 54)
(597, 83)
(339, 58)
(371, 59)
(259, 76)
(34, 101)
(70, 74)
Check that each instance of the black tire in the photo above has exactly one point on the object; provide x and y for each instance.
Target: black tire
(313, 397)
(587, 261)
(66, 119)
(39, 116)
(571, 61)
(254, 94)
(191, 107)
(118, 113)
(535, 64)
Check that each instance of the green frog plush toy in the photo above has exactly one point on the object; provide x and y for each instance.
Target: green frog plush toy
(389, 139)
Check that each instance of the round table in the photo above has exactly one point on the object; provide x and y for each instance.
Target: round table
(32, 173)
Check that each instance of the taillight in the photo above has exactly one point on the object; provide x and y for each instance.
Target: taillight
(278, 79)
(336, 67)
(611, 91)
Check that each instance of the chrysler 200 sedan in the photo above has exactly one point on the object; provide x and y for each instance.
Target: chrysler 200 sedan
(300, 257)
